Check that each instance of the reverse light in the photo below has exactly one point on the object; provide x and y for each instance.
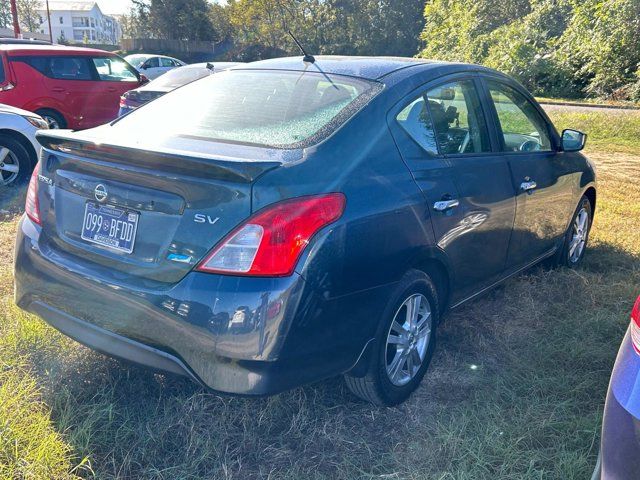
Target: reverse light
(32, 206)
(635, 326)
(270, 242)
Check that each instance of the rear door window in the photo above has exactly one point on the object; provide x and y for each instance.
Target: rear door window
(113, 69)
(70, 68)
(60, 67)
(167, 62)
(448, 119)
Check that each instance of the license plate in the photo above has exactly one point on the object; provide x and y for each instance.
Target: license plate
(110, 226)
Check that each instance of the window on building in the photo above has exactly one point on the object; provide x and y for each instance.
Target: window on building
(61, 20)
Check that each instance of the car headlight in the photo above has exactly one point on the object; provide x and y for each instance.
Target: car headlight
(37, 122)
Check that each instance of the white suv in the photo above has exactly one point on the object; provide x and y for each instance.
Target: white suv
(18, 146)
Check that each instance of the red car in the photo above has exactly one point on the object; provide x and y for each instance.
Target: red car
(70, 87)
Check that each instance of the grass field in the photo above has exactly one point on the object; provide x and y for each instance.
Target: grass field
(515, 391)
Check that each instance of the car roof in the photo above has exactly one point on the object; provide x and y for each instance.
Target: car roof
(216, 65)
(150, 55)
(27, 49)
(372, 68)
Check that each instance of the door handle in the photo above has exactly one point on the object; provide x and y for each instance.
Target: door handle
(528, 185)
(444, 205)
(111, 89)
(57, 89)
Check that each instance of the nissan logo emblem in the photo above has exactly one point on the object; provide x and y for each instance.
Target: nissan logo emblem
(100, 192)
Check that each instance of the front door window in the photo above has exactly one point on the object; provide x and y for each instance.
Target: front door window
(523, 128)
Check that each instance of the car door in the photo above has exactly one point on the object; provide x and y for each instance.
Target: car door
(70, 80)
(544, 192)
(151, 68)
(115, 77)
(167, 64)
(443, 137)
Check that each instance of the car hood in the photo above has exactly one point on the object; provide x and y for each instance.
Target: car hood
(17, 111)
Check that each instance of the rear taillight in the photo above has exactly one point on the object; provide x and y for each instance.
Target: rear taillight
(270, 242)
(635, 326)
(123, 101)
(32, 207)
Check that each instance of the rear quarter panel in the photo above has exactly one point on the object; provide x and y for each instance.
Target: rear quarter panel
(351, 266)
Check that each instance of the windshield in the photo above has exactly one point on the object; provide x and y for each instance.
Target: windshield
(180, 76)
(136, 60)
(272, 108)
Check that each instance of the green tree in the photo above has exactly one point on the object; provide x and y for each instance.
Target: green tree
(602, 44)
(170, 19)
(6, 21)
(28, 14)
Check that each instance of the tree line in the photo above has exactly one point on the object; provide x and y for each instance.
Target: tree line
(560, 48)
(565, 48)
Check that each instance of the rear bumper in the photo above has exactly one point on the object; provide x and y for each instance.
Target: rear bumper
(620, 444)
(237, 335)
(111, 344)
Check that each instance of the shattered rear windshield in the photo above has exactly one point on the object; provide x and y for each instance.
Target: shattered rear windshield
(264, 107)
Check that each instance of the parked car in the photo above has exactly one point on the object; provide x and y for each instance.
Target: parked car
(620, 445)
(153, 65)
(288, 221)
(70, 87)
(170, 81)
(18, 146)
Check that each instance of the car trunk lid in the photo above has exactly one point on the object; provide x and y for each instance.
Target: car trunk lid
(176, 204)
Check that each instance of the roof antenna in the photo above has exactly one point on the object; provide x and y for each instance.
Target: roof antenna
(307, 58)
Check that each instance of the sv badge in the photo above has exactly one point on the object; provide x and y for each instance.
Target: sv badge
(202, 218)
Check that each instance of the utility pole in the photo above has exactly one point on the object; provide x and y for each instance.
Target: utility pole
(49, 22)
(14, 14)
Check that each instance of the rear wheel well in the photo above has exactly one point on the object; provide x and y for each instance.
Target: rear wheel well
(24, 141)
(591, 195)
(439, 274)
(52, 112)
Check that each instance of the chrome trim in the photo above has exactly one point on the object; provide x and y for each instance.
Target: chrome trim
(444, 205)
(528, 185)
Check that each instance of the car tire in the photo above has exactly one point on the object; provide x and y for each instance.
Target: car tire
(575, 240)
(53, 118)
(392, 374)
(15, 162)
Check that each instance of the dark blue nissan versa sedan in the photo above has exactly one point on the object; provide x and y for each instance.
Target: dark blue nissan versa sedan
(287, 221)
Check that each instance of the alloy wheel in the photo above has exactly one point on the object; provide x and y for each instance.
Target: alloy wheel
(53, 122)
(579, 234)
(408, 339)
(9, 166)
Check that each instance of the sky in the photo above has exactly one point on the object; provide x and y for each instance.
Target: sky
(114, 6)
(121, 6)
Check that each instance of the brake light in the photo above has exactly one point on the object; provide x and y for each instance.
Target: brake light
(123, 101)
(635, 326)
(270, 242)
(32, 206)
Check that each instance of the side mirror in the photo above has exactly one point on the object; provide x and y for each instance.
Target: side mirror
(144, 66)
(573, 140)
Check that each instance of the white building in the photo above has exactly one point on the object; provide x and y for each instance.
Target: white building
(79, 22)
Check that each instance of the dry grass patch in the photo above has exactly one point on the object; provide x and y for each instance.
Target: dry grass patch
(515, 392)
